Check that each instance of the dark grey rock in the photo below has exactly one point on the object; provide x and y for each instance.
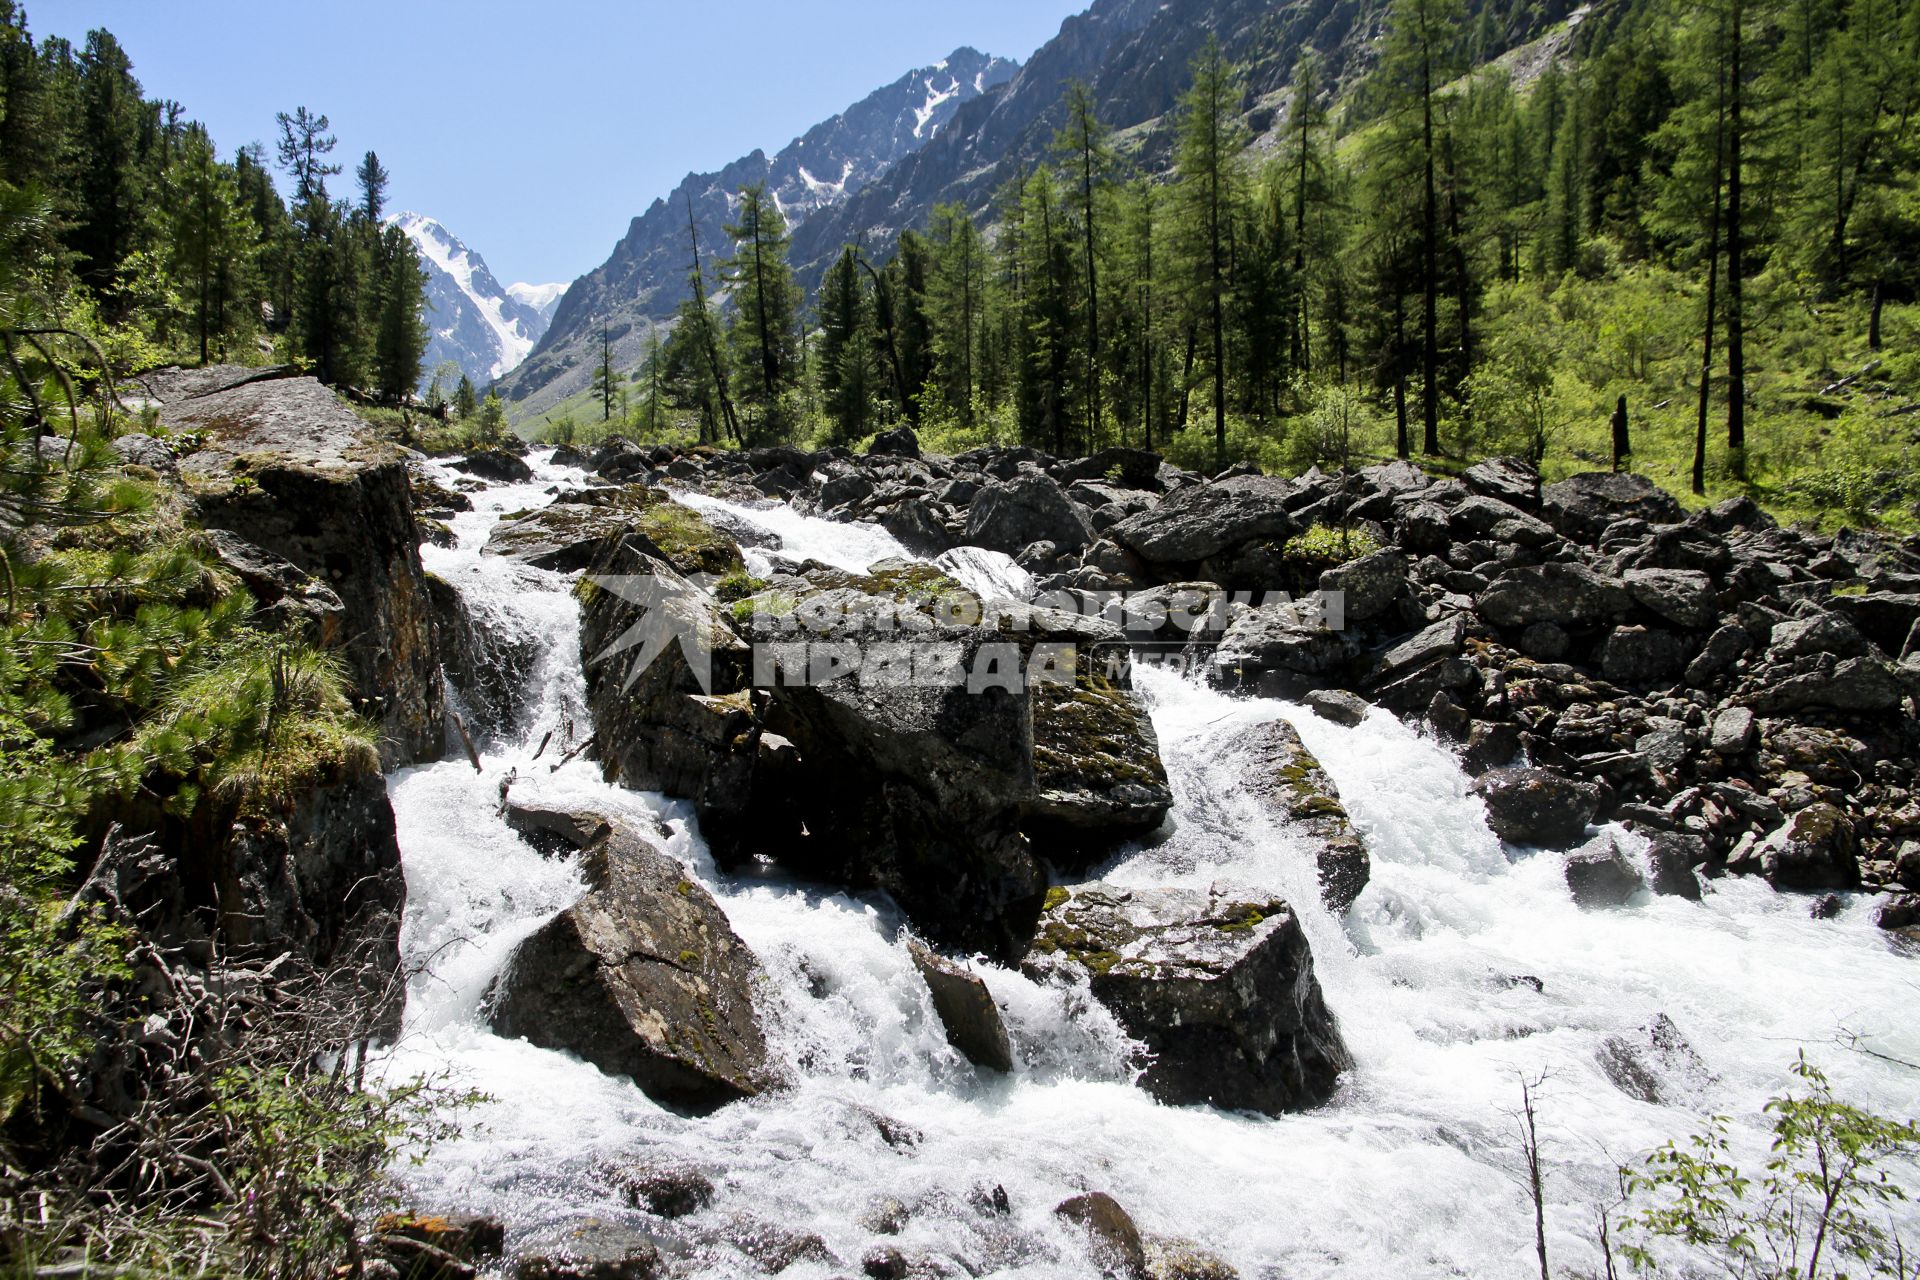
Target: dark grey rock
(1600, 875)
(1220, 991)
(644, 978)
(1582, 506)
(966, 1009)
(1537, 806)
(1201, 521)
(1337, 705)
(1558, 593)
(1012, 515)
(1114, 1239)
(1683, 597)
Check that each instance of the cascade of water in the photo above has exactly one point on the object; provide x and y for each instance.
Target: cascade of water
(1460, 969)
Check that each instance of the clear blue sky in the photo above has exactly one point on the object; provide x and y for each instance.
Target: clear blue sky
(536, 130)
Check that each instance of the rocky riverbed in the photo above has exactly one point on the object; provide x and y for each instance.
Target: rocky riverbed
(1263, 862)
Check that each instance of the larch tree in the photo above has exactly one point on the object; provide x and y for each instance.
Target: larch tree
(1211, 137)
(1421, 58)
(764, 336)
(1083, 146)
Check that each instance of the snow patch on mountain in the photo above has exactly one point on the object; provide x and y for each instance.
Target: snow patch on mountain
(541, 297)
(936, 98)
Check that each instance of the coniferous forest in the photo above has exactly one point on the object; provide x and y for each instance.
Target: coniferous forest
(1711, 211)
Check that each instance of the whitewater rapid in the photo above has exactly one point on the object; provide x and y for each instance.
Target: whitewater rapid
(1463, 968)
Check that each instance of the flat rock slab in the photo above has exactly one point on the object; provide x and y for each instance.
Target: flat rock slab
(1220, 990)
(966, 1009)
(644, 978)
(1288, 779)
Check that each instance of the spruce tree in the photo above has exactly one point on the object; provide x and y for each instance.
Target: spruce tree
(845, 362)
(763, 338)
(400, 345)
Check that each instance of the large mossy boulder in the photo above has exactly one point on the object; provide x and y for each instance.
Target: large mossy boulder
(883, 730)
(643, 977)
(1220, 989)
(583, 527)
(285, 465)
(1286, 777)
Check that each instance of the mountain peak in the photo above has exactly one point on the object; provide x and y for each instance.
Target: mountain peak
(485, 328)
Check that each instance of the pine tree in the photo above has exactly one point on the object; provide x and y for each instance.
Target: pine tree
(210, 245)
(956, 305)
(108, 213)
(373, 179)
(696, 321)
(400, 345)
(464, 402)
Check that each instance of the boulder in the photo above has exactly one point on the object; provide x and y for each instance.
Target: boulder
(572, 535)
(317, 874)
(1097, 773)
(284, 465)
(1511, 480)
(966, 1009)
(288, 598)
(1122, 467)
(1563, 594)
(495, 464)
(1220, 990)
(1681, 596)
(1288, 779)
(1642, 657)
(1732, 731)
(1012, 515)
(1655, 1065)
(1815, 849)
(1898, 912)
(1537, 806)
(1204, 520)
(595, 1250)
(1368, 585)
(1277, 649)
(1671, 857)
(1599, 875)
(1337, 706)
(914, 787)
(900, 442)
(666, 674)
(1173, 1258)
(1114, 1239)
(1581, 507)
(666, 1191)
(555, 831)
(644, 978)
(914, 525)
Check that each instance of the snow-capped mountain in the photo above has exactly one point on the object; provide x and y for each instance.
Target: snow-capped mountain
(476, 322)
(544, 298)
(642, 284)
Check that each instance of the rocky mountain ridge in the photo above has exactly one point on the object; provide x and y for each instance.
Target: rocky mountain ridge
(645, 279)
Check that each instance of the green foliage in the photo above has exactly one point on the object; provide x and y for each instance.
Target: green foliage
(1816, 1208)
(1325, 546)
